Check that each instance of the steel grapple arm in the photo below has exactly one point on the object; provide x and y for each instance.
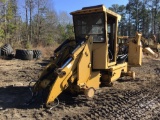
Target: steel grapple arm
(62, 71)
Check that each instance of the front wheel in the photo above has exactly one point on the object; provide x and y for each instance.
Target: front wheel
(89, 93)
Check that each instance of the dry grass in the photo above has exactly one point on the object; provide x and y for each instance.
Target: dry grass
(47, 51)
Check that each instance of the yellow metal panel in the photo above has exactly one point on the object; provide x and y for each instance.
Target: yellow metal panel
(100, 56)
(78, 51)
(57, 88)
(111, 64)
(135, 51)
(116, 71)
(135, 54)
(94, 9)
(118, 66)
(84, 65)
(94, 80)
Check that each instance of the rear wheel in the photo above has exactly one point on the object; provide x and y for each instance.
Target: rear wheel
(7, 50)
(37, 54)
(24, 54)
(89, 93)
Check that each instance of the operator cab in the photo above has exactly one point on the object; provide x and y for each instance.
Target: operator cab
(90, 25)
(101, 24)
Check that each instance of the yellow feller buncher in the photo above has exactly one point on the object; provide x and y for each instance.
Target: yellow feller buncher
(93, 59)
(154, 45)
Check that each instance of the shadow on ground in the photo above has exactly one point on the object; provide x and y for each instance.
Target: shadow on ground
(18, 96)
(44, 63)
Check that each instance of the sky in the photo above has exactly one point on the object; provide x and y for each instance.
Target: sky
(73, 5)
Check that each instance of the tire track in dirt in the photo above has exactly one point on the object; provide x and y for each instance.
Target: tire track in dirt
(127, 99)
(124, 104)
(133, 105)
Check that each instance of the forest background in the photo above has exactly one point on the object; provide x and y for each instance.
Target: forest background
(41, 25)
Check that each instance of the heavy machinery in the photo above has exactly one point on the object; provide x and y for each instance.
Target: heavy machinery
(151, 43)
(154, 45)
(92, 60)
(148, 48)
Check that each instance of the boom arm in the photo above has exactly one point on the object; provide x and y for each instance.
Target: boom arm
(78, 60)
(61, 82)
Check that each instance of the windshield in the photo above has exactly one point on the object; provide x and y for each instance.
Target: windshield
(90, 24)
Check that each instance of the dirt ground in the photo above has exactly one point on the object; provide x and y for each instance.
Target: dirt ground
(127, 99)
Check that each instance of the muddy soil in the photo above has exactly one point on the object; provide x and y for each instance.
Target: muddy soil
(127, 99)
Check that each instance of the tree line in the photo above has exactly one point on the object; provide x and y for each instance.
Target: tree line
(41, 25)
(139, 15)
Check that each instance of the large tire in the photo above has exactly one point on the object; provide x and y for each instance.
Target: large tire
(24, 54)
(6, 50)
(37, 54)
